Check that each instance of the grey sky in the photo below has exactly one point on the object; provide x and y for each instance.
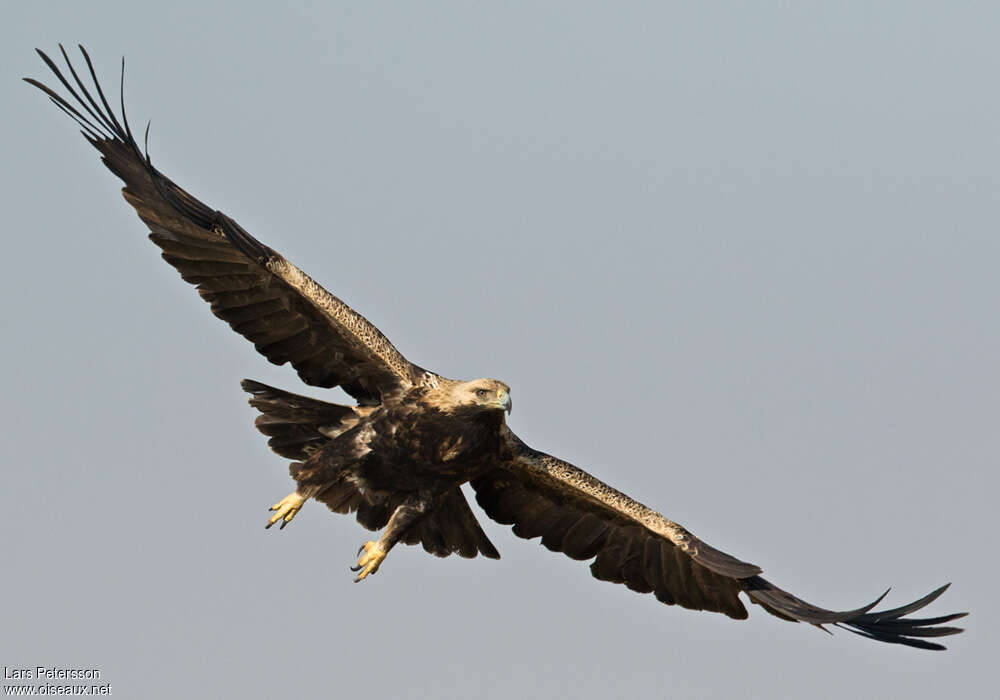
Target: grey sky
(739, 261)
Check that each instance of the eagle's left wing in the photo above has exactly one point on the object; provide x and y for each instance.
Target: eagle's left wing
(584, 518)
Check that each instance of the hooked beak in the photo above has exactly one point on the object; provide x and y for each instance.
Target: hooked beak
(505, 402)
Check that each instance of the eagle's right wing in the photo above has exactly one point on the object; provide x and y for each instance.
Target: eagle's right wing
(579, 515)
(266, 299)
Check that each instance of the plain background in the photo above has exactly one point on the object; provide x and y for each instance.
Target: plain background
(739, 261)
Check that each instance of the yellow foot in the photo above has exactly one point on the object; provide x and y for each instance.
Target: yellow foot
(285, 509)
(369, 562)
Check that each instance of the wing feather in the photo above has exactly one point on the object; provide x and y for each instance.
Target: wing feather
(263, 297)
(574, 513)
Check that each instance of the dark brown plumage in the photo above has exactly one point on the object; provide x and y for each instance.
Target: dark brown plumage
(399, 457)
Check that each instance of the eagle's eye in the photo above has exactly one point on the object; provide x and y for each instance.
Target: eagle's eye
(482, 393)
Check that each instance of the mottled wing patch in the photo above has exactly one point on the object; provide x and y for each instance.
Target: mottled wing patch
(622, 551)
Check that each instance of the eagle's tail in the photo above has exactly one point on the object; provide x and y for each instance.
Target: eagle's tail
(297, 425)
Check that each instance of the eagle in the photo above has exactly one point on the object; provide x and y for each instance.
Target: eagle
(398, 458)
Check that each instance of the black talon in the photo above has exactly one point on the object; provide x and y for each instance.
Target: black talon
(355, 568)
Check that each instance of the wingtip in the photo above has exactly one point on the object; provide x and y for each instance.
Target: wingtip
(252, 386)
(935, 594)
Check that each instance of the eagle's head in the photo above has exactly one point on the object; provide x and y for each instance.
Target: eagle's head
(485, 394)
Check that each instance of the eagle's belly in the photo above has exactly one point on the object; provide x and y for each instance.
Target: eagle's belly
(428, 451)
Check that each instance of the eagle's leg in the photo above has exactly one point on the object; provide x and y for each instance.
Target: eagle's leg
(406, 514)
(287, 507)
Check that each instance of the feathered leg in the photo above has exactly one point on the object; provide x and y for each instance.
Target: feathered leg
(322, 469)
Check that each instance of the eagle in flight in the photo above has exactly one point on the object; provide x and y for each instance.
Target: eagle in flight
(399, 458)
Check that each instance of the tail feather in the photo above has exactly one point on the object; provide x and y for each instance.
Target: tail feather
(296, 425)
(452, 528)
